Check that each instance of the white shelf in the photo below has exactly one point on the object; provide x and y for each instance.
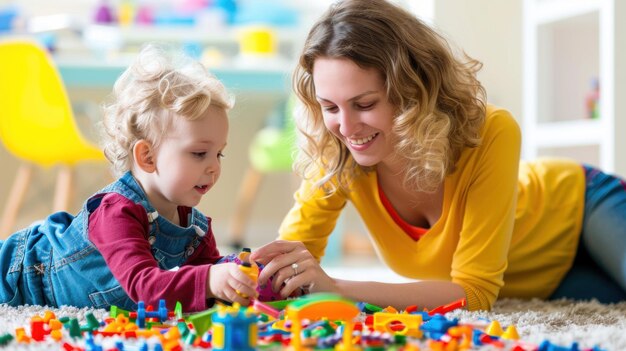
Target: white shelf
(142, 34)
(567, 43)
(569, 133)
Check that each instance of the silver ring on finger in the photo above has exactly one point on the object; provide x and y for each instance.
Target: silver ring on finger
(294, 266)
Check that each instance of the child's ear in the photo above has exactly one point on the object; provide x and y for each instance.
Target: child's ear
(143, 153)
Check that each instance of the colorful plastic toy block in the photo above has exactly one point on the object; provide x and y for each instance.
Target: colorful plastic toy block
(449, 307)
(161, 314)
(410, 323)
(322, 305)
(234, 328)
(201, 321)
(437, 326)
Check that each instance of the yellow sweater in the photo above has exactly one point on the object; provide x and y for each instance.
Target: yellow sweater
(507, 228)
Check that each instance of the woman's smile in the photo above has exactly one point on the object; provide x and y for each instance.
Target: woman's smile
(362, 141)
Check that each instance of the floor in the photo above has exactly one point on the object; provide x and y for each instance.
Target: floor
(362, 269)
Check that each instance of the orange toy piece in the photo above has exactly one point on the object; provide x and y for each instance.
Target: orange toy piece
(390, 309)
(322, 305)
(120, 324)
(48, 316)
(171, 340)
(20, 336)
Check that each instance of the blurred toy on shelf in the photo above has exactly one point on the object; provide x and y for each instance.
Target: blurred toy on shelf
(592, 100)
(8, 16)
(104, 13)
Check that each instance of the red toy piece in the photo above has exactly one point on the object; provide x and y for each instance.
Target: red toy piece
(449, 307)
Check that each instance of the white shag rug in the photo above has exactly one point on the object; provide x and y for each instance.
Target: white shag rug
(560, 322)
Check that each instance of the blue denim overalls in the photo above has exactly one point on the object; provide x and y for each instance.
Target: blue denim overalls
(53, 263)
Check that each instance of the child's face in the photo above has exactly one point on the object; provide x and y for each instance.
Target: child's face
(188, 161)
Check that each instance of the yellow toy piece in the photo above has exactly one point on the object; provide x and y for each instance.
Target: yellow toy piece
(411, 322)
(494, 329)
(37, 124)
(510, 333)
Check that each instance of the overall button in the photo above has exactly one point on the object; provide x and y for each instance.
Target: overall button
(189, 251)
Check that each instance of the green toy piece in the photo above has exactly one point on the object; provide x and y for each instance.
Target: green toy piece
(115, 311)
(201, 321)
(5, 339)
(92, 323)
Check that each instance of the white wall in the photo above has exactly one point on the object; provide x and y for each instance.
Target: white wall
(487, 30)
(490, 31)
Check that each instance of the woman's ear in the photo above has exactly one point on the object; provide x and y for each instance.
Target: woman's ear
(143, 153)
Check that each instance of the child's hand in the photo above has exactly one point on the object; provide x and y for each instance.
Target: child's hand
(226, 279)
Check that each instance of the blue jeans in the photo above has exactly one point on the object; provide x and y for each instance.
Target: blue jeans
(599, 269)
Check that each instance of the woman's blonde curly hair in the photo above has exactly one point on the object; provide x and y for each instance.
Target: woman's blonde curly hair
(440, 103)
(155, 90)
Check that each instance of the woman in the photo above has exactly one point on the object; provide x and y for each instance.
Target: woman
(399, 126)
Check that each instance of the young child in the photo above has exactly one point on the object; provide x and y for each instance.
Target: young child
(140, 238)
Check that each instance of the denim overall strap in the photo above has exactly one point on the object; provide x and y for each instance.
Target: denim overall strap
(171, 244)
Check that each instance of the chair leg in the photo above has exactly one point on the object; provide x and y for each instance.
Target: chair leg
(63, 190)
(243, 205)
(15, 199)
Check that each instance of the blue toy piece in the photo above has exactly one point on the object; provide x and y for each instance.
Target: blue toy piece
(90, 344)
(234, 328)
(119, 345)
(438, 326)
(548, 346)
(161, 313)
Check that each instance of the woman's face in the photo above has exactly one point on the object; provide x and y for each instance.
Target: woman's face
(355, 108)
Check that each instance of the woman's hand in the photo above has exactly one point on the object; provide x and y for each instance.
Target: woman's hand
(228, 282)
(293, 267)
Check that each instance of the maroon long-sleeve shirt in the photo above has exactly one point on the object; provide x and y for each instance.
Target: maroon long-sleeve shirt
(119, 229)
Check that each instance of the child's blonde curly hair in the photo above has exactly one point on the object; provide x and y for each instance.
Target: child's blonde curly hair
(154, 91)
(440, 106)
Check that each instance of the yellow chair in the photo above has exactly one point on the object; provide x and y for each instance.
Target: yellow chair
(37, 124)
